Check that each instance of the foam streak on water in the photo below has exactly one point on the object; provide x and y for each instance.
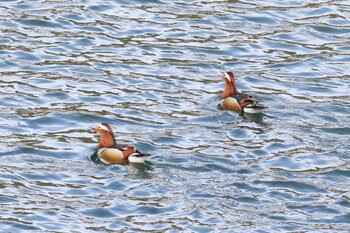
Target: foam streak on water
(151, 69)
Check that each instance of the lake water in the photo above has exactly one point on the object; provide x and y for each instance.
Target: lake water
(151, 70)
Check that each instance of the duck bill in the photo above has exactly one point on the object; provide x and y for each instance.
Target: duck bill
(93, 131)
(223, 77)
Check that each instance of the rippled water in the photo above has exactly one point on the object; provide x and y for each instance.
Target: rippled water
(151, 69)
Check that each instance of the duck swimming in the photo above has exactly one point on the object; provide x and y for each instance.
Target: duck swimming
(108, 152)
(233, 99)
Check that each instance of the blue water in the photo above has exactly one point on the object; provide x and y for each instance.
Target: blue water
(151, 69)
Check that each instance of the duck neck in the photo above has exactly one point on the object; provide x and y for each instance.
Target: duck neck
(230, 90)
(107, 141)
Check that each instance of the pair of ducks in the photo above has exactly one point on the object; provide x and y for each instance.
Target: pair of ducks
(109, 152)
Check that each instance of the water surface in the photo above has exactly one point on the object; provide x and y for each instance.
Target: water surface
(151, 70)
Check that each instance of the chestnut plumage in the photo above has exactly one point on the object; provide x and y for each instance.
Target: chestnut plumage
(233, 99)
(109, 152)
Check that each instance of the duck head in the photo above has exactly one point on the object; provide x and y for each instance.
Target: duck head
(230, 89)
(107, 139)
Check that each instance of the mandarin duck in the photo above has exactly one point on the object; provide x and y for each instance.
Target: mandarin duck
(233, 99)
(109, 152)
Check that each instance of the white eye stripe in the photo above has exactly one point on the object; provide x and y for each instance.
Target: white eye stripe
(227, 76)
(100, 126)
